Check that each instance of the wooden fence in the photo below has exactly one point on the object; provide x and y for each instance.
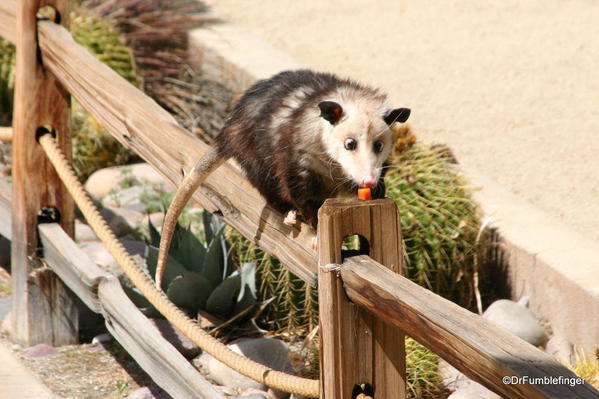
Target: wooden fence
(365, 307)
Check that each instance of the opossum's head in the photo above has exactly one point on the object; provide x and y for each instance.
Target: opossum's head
(357, 136)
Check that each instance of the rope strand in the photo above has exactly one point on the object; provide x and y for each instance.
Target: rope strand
(243, 365)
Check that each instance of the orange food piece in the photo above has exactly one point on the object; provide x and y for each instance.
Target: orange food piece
(364, 193)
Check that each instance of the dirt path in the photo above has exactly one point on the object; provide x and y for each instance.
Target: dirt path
(511, 86)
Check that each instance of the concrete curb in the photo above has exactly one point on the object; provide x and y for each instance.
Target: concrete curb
(556, 267)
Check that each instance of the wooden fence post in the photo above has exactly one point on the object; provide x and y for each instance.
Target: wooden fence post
(356, 347)
(43, 309)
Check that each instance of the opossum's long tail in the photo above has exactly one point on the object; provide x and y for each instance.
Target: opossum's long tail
(210, 161)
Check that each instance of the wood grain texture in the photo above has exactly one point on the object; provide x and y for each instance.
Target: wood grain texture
(39, 100)
(139, 123)
(482, 351)
(356, 347)
(167, 367)
(102, 292)
(71, 264)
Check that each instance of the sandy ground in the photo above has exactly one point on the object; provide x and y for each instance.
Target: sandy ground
(511, 86)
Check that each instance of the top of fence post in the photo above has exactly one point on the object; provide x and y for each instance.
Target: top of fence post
(357, 348)
(42, 309)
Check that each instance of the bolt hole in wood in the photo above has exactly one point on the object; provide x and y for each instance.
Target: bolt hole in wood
(42, 130)
(362, 391)
(48, 13)
(354, 245)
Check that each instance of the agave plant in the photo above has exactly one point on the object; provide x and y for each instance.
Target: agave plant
(199, 275)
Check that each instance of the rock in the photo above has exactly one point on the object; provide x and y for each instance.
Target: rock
(474, 391)
(560, 348)
(206, 320)
(253, 396)
(40, 350)
(101, 339)
(83, 232)
(270, 352)
(173, 335)
(452, 378)
(6, 325)
(128, 198)
(516, 319)
(464, 387)
(134, 247)
(103, 181)
(252, 393)
(122, 220)
(157, 218)
(98, 253)
(147, 393)
(5, 306)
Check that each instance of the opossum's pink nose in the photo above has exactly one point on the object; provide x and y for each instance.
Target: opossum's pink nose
(368, 182)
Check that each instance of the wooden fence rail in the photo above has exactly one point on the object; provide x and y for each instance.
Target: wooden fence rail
(103, 293)
(480, 350)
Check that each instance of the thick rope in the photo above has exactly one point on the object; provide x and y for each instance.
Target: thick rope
(249, 368)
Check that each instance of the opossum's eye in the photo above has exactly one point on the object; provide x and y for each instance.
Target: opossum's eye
(378, 146)
(350, 144)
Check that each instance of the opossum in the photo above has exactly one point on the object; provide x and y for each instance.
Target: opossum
(300, 137)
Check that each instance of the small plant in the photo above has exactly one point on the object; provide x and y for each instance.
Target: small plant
(199, 275)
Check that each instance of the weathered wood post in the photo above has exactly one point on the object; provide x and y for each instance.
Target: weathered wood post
(43, 309)
(356, 347)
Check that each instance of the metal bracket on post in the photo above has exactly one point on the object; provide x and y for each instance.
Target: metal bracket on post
(358, 349)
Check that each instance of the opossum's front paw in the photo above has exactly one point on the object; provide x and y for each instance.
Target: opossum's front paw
(291, 218)
(314, 243)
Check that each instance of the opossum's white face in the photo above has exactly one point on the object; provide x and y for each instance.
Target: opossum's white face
(359, 139)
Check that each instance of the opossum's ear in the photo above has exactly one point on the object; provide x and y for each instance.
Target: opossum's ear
(397, 115)
(331, 111)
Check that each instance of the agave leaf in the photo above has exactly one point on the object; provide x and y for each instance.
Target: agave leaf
(214, 262)
(247, 292)
(173, 267)
(207, 219)
(213, 224)
(136, 296)
(222, 300)
(189, 291)
(154, 234)
(189, 251)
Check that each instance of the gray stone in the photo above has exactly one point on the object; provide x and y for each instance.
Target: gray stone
(560, 348)
(83, 232)
(6, 325)
(452, 378)
(122, 221)
(40, 350)
(127, 198)
(252, 396)
(157, 218)
(5, 306)
(147, 393)
(173, 335)
(102, 338)
(516, 319)
(270, 352)
(98, 253)
(103, 181)
(474, 391)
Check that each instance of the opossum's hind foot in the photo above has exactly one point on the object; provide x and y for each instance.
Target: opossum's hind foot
(210, 161)
(291, 218)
